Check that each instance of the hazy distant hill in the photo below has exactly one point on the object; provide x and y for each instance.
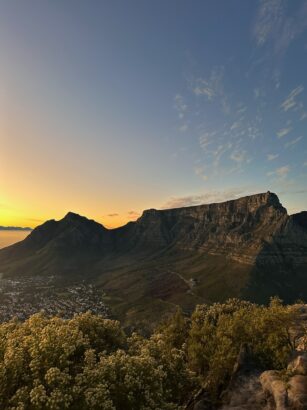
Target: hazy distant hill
(249, 247)
(14, 228)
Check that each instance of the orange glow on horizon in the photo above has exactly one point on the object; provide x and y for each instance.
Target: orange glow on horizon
(10, 218)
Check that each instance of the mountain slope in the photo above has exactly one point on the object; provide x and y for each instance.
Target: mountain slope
(249, 247)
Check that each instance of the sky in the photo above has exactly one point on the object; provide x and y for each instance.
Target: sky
(112, 107)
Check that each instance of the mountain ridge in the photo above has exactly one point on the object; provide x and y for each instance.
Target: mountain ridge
(248, 247)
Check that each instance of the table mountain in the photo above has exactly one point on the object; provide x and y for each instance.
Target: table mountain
(248, 247)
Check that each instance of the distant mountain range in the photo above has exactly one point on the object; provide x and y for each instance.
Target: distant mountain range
(249, 247)
(14, 228)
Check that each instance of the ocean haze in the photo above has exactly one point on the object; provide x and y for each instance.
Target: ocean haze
(9, 237)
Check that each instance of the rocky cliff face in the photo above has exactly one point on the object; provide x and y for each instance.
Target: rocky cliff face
(253, 229)
(249, 247)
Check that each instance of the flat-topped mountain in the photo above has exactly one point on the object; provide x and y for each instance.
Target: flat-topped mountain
(248, 247)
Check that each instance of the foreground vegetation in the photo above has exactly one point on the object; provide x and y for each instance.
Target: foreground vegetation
(88, 362)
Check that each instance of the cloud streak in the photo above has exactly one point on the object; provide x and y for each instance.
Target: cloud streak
(180, 105)
(239, 157)
(271, 157)
(211, 87)
(293, 142)
(133, 214)
(208, 197)
(277, 27)
(280, 173)
(290, 102)
(283, 132)
(269, 17)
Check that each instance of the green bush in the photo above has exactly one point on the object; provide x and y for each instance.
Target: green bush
(88, 362)
(218, 331)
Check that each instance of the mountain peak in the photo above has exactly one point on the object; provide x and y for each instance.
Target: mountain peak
(262, 199)
(246, 246)
(269, 197)
(73, 216)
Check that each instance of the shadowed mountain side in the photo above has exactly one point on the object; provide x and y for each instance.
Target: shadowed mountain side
(247, 247)
(142, 289)
(281, 266)
(70, 245)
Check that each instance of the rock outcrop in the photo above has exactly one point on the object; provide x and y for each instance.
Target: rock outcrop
(288, 391)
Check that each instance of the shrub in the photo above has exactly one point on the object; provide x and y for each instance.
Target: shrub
(88, 362)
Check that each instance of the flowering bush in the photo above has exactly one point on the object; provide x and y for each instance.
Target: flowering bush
(88, 362)
(85, 363)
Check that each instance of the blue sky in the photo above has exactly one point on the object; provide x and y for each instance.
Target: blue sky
(110, 107)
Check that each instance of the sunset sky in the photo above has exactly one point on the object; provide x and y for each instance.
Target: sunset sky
(111, 107)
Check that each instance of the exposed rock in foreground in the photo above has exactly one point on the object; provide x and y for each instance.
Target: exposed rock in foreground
(287, 391)
(273, 390)
(250, 388)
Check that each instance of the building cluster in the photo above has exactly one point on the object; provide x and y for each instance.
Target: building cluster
(22, 297)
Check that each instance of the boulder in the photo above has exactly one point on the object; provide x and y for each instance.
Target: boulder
(273, 386)
(288, 391)
(297, 392)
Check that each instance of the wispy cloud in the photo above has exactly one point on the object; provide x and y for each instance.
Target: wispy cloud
(276, 79)
(211, 87)
(283, 132)
(281, 172)
(257, 93)
(219, 152)
(112, 215)
(133, 214)
(270, 15)
(208, 197)
(206, 139)
(181, 108)
(290, 102)
(293, 142)
(271, 157)
(240, 157)
(235, 125)
(276, 26)
(303, 116)
(229, 141)
(184, 127)
(200, 171)
(202, 88)
(241, 110)
(180, 105)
